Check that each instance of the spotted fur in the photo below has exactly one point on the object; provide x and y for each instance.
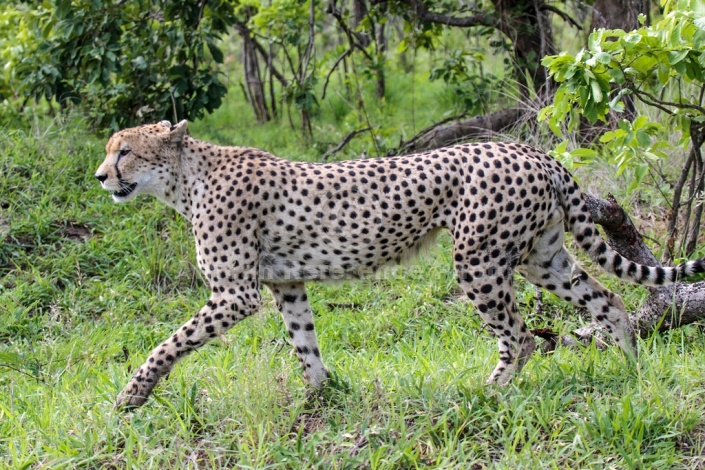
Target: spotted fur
(258, 219)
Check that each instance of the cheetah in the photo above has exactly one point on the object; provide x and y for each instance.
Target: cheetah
(258, 219)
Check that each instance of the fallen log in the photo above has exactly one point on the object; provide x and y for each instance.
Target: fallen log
(453, 130)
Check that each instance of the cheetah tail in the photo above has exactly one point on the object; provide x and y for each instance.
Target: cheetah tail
(583, 229)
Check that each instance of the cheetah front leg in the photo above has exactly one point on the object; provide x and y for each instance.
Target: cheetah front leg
(215, 318)
(492, 293)
(293, 303)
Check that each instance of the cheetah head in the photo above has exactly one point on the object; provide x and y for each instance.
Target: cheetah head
(139, 159)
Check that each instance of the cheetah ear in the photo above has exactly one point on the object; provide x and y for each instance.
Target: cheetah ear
(177, 132)
(166, 124)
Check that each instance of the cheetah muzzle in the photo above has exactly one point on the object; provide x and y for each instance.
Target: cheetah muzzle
(258, 219)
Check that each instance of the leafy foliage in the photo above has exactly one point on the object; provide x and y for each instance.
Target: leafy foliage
(666, 58)
(642, 63)
(17, 40)
(127, 62)
(474, 88)
(285, 24)
(662, 67)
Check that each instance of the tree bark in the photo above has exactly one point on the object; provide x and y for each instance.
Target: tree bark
(359, 13)
(693, 169)
(529, 28)
(618, 14)
(381, 45)
(614, 14)
(697, 189)
(253, 80)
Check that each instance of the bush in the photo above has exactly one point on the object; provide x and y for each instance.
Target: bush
(126, 62)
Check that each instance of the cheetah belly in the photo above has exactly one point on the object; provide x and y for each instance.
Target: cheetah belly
(334, 262)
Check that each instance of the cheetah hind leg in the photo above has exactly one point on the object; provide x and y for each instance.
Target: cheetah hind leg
(295, 308)
(556, 271)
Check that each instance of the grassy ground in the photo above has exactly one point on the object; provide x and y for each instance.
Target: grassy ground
(89, 287)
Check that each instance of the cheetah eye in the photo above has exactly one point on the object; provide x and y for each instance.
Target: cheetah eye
(123, 152)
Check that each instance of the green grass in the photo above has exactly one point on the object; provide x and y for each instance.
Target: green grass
(89, 287)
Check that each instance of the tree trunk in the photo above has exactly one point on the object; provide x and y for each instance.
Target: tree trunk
(524, 22)
(529, 28)
(618, 14)
(306, 128)
(359, 13)
(381, 42)
(614, 14)
(697, 189)
(253, 80)
(693, 169)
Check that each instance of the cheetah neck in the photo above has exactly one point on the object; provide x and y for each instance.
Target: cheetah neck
(187, 178)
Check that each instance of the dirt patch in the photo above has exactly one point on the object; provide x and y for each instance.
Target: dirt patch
(310, 423)
(75, 232)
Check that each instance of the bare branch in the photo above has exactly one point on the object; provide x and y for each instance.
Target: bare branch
(332, 69)
(652, 100)
(562, 14)
(430, 128)
(311, 46)
(20, 371)
(675, 208)
(353, 39)
(344, 142)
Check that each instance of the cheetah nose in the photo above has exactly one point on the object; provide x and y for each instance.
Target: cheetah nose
(101, 178)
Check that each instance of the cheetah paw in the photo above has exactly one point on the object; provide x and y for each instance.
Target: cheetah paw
(129, 399)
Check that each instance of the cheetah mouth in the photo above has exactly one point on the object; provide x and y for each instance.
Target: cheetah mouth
(125, 190)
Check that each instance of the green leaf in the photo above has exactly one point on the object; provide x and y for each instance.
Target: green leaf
(641, 171)
(644, 63)
(139, 63)
(643, 138)
(631, 39)
(663, 73)
(603, 58)
(216, 53)
(700, 22)
(616, 105)
(584, 154)
(675, 57)
(595, 40)
(616, 75)
(596, 91)
(611, 135)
